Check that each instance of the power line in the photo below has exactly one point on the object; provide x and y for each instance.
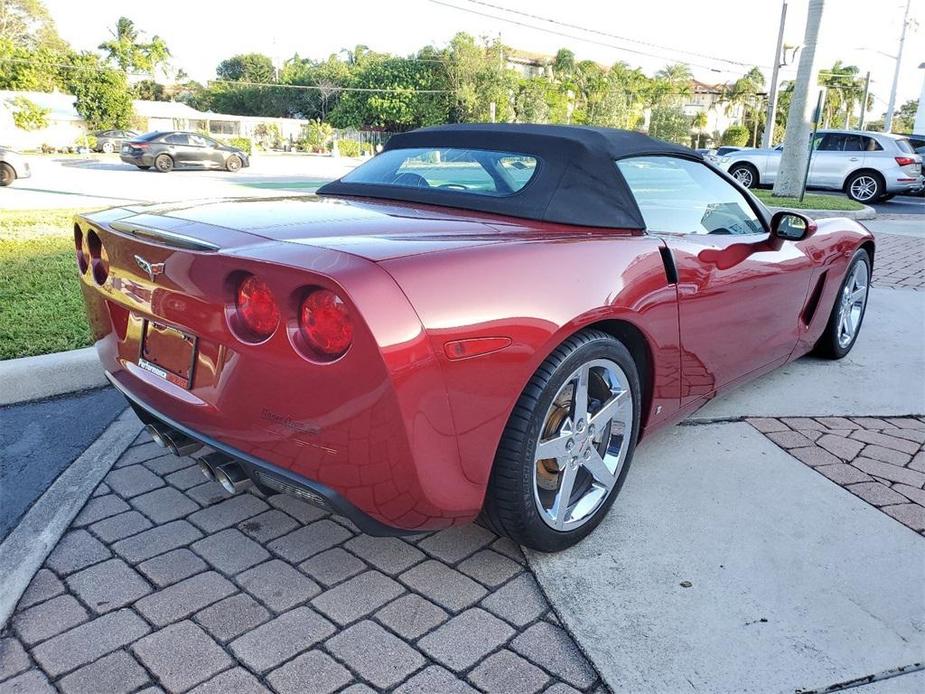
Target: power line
(585, 39)
(609, 35)
(275, 85)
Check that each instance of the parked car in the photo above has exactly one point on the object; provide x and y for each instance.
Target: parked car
(110, 141)
(917, 142)
(867, 166)
(13, 165)
(482, 320)
(168, 150)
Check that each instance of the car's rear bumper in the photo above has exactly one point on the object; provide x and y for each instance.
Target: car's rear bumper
(265, 473)
(137, 159)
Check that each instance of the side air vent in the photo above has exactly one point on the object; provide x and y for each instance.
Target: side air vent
(813, 302)
(671, 272)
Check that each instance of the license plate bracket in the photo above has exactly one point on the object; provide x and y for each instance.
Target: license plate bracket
(168, 353)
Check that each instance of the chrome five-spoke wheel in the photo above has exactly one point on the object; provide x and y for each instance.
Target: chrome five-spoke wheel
(568, 444)
(583, 444)
(852, 302)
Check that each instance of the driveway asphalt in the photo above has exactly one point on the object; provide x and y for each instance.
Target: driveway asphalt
(38, 440)
(104, 181)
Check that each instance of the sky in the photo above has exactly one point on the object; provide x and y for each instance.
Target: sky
(720, 39)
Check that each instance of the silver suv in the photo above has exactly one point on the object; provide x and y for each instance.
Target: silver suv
(869, 167)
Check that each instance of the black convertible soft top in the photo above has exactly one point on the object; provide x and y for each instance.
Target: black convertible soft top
(576, 181)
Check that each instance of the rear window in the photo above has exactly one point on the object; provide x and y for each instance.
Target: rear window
(905, 146)
(147, 137)
(473, 171)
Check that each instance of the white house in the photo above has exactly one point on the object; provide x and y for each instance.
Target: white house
(65, 126)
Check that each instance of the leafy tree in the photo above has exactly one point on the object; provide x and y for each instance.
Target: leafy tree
(845, 90)
(29, 69)
(563, 66)
(26, 23)
(316, 136)
(670, 123)
(247, 67)
(744, 96)
(28, 115)
(102, 95)
(131, 52)
(735, 136)
(391, 94)
(904, 117)
(530, 104)
(151, 91)
(699, 122)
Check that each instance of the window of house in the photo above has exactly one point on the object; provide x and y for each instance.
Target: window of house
(687, 197)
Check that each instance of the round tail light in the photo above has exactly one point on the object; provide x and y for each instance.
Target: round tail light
(257, 308)
(83, 258)
(325, 322)
(99, 258)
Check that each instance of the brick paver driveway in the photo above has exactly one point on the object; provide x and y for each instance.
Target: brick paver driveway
(880, 460)
(899, 261)
(164, 583)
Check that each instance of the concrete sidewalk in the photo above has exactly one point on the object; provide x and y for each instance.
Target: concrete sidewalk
(728, 566)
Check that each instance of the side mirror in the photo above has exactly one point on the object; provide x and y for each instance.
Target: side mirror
(792, 226)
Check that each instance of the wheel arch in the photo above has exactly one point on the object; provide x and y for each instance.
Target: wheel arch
(863, 170)
(750, 165)
(635, 340)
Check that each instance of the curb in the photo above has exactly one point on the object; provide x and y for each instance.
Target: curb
(33, 378)
(866, 213)
(29, 543)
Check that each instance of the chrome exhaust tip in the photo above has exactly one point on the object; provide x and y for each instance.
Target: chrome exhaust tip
(230, 476)
(155, 435)
(206, 470)
(209, 463)
(180, 444)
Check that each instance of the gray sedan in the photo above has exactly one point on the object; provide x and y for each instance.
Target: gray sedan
(867, 166)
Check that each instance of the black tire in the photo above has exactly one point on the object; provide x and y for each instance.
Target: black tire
(864, 186)
(233, 163)
(163, 163)
(510, 507)
(7, 174)
(829, 346)
(143, 167)
(745, 174)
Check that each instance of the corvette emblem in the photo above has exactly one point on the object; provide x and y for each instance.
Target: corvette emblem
(152, 269)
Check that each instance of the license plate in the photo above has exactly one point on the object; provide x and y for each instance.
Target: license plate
(168, 353)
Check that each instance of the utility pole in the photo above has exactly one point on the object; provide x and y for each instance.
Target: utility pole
(772, 93)
(888, 118)
(795, 156)
(864, 100)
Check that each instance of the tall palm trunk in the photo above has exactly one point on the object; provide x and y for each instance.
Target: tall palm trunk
(792, 168)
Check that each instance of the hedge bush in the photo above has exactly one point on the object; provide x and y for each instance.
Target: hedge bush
(736, 136)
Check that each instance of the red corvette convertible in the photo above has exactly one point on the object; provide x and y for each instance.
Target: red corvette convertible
(480, 321)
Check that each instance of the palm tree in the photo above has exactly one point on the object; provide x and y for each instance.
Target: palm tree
(127, 49)
(699, 122)
(792, 170)
(845, 90)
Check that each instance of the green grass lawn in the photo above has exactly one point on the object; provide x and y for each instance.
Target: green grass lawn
(41, 307)
(811, 201)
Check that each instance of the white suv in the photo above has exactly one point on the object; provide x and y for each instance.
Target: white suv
(869, 167)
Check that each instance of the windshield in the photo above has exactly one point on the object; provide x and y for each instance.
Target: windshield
(473, 171)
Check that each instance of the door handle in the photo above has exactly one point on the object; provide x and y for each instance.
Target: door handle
(852, 159)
